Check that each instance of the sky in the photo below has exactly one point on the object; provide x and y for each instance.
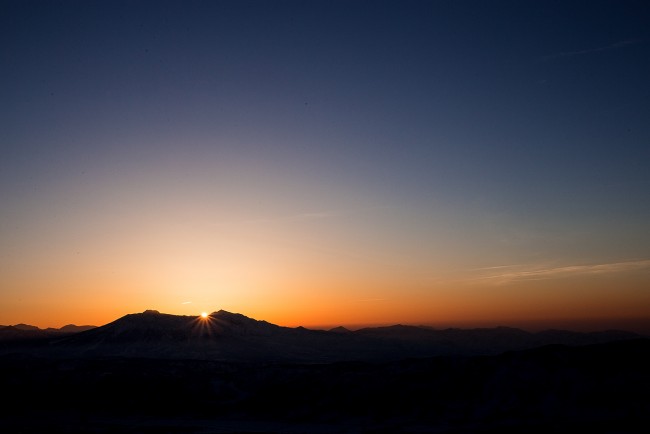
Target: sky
(317, 163)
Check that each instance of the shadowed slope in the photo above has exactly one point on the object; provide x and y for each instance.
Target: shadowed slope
(230, 336)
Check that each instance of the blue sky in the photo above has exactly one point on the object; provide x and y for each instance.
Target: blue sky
(389, 149)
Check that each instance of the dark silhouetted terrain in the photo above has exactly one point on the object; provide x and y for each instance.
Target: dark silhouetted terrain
(25, 331)
(226, 336)
(240, 375)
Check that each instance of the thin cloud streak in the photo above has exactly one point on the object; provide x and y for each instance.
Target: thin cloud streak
(541, 273)
(295, 217)
(496, 267)
(306, 216)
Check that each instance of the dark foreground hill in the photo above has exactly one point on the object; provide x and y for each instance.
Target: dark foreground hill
(159, 373)
(225, 336)
(600, 388)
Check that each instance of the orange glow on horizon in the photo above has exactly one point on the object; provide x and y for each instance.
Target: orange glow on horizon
(311, 297)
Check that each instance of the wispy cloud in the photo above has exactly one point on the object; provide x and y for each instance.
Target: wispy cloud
(314, 215)
(609, 47)
(513, 273)
(186, 302)
(319, 215)
(305, 216)
(498, 267)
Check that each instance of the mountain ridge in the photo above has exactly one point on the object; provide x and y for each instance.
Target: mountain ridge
(227, 336)
(25, 331)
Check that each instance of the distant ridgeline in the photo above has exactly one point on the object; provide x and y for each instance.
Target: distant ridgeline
(26, 331)
(226, 373)
(225, 336)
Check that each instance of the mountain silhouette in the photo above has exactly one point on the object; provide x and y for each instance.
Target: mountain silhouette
(25, 331)
(22, 326)
(71, 328)
(226, 336)
(153, 372)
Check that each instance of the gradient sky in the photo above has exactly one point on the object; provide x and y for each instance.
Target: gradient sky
(325, 162)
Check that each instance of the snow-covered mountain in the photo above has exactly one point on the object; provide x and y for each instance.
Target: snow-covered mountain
(227, 336)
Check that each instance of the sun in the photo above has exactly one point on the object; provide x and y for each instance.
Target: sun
(204, 314)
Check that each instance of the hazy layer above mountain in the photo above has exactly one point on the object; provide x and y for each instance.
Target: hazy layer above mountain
(235, 337)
